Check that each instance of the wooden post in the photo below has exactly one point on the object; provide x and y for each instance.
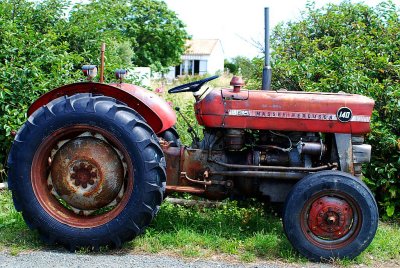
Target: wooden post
(103, 48)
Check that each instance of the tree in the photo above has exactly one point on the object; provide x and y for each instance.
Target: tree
(230, 66)
(32, 60)
(156, 35)
(248, 68)
(353, 48)
(43, 46)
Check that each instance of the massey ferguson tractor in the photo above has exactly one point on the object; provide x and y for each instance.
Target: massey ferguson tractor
(94, 161)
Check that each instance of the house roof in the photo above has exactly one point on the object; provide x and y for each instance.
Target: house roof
(200, 46)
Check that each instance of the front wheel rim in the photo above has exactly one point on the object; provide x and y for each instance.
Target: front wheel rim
(331, 219)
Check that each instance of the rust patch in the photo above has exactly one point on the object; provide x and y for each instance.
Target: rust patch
(87, 173)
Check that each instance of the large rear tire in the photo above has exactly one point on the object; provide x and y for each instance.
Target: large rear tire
(330, 214)
(86, 171)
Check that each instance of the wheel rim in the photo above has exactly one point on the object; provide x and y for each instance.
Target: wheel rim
(82, 176)
(331, 219)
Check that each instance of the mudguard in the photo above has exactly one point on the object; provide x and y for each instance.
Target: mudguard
(155, 110)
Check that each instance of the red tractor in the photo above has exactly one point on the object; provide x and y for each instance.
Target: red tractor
(91, 165)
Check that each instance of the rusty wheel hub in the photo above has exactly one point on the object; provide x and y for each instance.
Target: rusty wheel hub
(87, 173)
(83, 173)
(330, 218)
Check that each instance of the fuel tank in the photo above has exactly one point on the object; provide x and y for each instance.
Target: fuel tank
(285, 111)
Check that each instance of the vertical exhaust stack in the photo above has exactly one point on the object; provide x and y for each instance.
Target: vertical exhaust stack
(267, 71)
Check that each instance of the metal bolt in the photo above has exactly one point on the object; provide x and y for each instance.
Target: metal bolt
(331, 219)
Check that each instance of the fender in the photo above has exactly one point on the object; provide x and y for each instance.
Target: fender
(155, 110)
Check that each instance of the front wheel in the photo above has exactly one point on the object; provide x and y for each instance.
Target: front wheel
(86, 171)
(330, 214)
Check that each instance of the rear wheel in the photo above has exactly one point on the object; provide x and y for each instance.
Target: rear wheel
(330, 214)
(86, 172)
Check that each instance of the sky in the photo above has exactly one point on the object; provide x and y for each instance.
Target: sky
(237, 23)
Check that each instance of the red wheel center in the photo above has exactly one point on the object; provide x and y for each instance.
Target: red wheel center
(330, 218)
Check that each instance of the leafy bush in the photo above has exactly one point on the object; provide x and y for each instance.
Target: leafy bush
(42, 47)
(353, 48)
(32, 61)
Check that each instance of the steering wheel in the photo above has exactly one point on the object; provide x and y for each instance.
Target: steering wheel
(192, 86)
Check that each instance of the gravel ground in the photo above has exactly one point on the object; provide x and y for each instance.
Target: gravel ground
(50, 259)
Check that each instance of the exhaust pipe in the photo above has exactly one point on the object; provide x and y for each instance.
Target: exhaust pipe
(267, 71)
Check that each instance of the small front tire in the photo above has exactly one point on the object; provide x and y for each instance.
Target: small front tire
(330, 214)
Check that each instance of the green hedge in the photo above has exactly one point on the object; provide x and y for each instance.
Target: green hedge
(43, 45)
(356, 49)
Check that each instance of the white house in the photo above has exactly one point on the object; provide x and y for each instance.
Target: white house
(202, 56)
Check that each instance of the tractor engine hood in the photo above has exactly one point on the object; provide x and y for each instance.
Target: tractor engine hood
(285, 111)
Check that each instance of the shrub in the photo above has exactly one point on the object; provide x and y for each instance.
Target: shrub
(356, 49)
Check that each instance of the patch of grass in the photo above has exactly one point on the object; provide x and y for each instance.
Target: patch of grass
(385, 246)
(244, 231)
(247, 257)
(15, 234)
